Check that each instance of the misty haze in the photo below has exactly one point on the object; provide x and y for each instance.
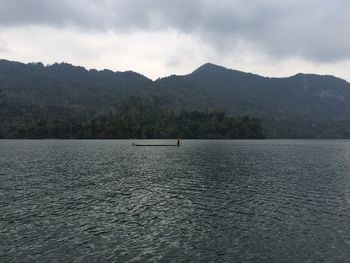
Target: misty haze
(174, 131)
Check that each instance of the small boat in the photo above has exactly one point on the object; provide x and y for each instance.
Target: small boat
(157, 145)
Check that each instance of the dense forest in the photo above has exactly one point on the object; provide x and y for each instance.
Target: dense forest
(143, 119)
(66, 101)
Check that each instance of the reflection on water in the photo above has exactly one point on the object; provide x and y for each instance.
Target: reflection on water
(250, 201)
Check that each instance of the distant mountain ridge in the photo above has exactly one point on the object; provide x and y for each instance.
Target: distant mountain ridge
(243, 93)
(300, 106)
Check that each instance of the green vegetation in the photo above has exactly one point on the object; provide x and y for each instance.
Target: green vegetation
(65, 101)
(140, 118)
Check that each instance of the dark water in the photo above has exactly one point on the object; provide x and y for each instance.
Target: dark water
(234, 201)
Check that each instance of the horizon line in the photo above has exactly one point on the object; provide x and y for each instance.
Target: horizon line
(170, 75)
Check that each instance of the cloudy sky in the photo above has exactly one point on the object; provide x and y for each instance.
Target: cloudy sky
(162, 37)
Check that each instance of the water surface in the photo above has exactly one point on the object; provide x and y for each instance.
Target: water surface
(219, 201)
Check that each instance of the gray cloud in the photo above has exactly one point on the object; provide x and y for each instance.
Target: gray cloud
(315, 30)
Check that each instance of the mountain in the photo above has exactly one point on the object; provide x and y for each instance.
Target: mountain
(61, 91)
(64, 85)
(300, 106)
(240, 93)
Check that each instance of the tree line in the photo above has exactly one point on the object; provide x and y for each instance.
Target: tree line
(143, 119)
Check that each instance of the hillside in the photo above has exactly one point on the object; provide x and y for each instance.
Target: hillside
(303, 95)
(300, 106)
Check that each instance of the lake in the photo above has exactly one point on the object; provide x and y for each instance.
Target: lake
(206, 201)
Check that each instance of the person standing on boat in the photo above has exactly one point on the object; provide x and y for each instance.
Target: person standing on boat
(178, 141)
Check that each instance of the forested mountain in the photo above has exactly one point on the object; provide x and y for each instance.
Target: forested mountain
(60, 92)
(65, 85)
(301, 106)
(239, 93)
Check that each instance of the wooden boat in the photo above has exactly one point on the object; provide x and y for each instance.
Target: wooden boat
(157, 145)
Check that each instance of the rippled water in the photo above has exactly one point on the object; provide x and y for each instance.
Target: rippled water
(235, 201)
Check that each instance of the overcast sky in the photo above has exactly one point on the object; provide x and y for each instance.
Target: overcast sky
(162, 37)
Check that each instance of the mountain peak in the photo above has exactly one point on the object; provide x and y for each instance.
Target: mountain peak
(209, 67)
(216, 71)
